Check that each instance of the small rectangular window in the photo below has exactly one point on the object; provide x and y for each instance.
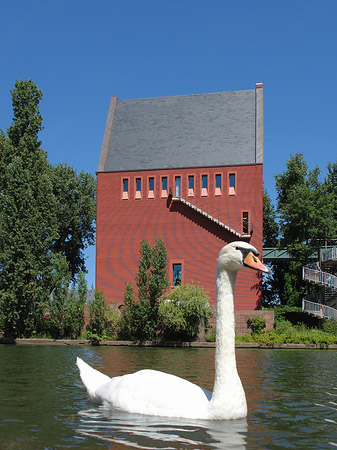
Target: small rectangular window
(218, 184)
(177, 186)
(232, 184)
(151, 188)
(190, 186)
(176, 274)
(138, 188)
(245, 222)
(204, 185)
(125, 195)
(164, 186)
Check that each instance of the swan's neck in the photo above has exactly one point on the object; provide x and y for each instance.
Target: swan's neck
(226, 375)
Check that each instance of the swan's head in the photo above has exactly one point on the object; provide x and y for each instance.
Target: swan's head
(236, 255)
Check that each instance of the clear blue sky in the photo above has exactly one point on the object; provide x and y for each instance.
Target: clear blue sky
(81, 52)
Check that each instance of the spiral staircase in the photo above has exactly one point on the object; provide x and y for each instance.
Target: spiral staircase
(323, 274)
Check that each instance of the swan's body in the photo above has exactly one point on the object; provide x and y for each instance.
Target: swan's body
(156, 393)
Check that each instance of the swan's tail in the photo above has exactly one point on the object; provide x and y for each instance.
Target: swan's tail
(91, 378)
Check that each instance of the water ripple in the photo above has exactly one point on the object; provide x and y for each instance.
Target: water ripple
(145, 432)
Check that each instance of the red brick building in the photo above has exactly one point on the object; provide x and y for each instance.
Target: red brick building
(187, 169)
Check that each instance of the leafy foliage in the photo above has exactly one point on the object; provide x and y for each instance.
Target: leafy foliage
(139, 319)
(103, 320)
(257, 324)
(64, 312)
(291, 335)
(330, 326)
(182, 311)
(75, 211)
(46, 219)
(307, 218)
(27, 219)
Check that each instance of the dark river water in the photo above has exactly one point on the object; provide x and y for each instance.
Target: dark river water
(291, 395)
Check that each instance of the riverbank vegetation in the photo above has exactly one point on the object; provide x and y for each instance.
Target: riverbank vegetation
(47, 219)
(293, 326)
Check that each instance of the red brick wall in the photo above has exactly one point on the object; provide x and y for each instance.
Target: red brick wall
(189, 237)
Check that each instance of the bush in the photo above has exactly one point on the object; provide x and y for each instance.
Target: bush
(103, 320)
(295, 315)
(286, 334)
(330, 326)
(64, 313)
(257, 324)
(182, 311)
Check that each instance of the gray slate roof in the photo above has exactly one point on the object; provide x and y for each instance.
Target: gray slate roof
(205, 130)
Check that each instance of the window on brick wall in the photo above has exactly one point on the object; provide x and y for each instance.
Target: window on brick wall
(151, 187)
(204, 185)
(190, 186)
(177, 274)
(138, 188)
(232, 184)
(218, 187)
(125, 194)
(178, 186)
(164, 186)
(245, 222)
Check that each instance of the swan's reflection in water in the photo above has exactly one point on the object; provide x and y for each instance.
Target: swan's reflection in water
(123, 430)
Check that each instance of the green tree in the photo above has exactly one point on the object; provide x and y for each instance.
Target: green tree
(330, 188)
(75, 197)
(27, 216)
(270, 225)
(272, 285)
(140, 317)
(183, 311)
(305, 219)
(103, 319)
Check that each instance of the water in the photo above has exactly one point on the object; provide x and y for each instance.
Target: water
(291, 395)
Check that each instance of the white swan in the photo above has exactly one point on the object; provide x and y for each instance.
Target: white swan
(156, 393)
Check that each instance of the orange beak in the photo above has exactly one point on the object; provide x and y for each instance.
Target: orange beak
(253, 262)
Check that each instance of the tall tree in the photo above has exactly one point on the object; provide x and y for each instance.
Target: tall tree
(27, 218)
(305, 212)
(305, 219)
(273, 284)
(270, 224)
(330, 187)
(140, 317)
(75, 197)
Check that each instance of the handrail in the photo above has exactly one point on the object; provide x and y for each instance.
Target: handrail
(213, 219)
(319, 310)
(329, 254)
(319, 277)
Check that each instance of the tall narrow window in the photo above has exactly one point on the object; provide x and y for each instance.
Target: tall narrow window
(151, 188)
(190, 186)
(125, 195)
(218, 186)
(232, 184)
(177, 186)
(138, 188)
(164, 186)
(204, 185)
(245, 222)
(176, 274)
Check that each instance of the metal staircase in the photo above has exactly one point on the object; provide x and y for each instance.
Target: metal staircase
(323, 275)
